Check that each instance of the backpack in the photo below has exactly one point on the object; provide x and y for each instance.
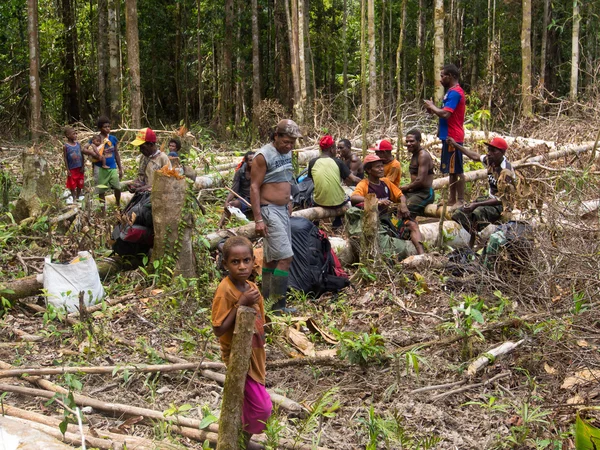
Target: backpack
(315, 269)
(135, 235)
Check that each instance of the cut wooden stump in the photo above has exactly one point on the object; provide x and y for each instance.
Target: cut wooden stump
(369, 239)
(230, 421)
(36, 187)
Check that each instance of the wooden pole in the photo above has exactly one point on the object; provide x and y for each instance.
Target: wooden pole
(369, 242)
(230, 422)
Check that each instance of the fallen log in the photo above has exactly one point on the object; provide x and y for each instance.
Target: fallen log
(491, 355)
(141, 368)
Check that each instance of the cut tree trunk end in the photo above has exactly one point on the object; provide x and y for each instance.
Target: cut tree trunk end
(37, 184)
(172, 224)
(369, 242)
(230, 422)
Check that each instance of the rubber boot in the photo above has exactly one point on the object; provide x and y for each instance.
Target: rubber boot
(460, 190)
(279, 285)
(265, 284)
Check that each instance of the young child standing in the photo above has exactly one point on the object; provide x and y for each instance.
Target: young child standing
(74, 164)
(235, 290)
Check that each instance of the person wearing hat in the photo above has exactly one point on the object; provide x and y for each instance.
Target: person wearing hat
(270, 196)
(110, 176)
(451, 125)
(387, 194)
(327, 173)
(476, 215)
(152, 159)
(391, 166)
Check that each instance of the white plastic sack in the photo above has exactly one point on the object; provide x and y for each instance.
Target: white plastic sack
(237, 212)
(64, 282)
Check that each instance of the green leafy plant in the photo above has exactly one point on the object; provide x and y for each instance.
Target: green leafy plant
(361, 349)
(324, 407)
(413, 360)
(273, 431)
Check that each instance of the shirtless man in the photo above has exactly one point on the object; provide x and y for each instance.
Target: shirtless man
(419, 192)
(270, 196)
(344, 148)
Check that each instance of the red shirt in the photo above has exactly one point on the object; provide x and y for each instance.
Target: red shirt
(454, 101)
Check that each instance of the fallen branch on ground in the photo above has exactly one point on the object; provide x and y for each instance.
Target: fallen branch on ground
(491, 355)
(470, 386)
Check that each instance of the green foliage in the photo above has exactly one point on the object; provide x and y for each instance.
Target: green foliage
(361, 349)
(273, 431)
(323, 408)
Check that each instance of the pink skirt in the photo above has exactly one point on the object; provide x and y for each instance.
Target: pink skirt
(257, 407)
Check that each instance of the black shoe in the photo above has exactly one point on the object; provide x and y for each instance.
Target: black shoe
(281, 308)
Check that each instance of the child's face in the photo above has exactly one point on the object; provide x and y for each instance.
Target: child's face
(239, 263)
(71, 135)
(96, 141)
(172, 147)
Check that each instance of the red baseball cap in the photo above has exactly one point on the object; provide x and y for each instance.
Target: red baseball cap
(371, 159)
(383, 145)
(326, 142)
(144, 135)
(498, 143)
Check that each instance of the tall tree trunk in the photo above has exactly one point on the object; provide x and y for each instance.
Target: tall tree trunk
(255, 62)
(493, 45)
(71, 88)
(526, 95)
(200, 62)
(346, 100)
(575, 51)
(302, 58)
(114, 79)
(399, 68)
(226, 79)
(372, 60)
(382, 48)
(544, 49)
(133, 61)
(420, 76)
(292, 19)
(363, 76)
(240, 107)
(103, 56)
(35, 96)
(438, 48)
(283, 77)
(178, 63)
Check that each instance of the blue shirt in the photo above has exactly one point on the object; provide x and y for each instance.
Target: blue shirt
(109, 152)
(73, 154)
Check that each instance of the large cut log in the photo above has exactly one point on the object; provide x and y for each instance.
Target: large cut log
(230, 422)
(247, 230)
(172, 223)
(37, 184)
(369, 242)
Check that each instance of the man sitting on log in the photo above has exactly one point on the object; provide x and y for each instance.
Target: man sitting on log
(270, 196)
(391, 166)
(387, 193)
(488, 209)
(344, 148)
(241, 187)
(328, 172)
(152, 160)
(419, 193)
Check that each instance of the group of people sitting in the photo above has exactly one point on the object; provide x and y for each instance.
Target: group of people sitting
(380, 173)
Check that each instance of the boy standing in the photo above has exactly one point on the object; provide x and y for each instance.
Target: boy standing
(109, 177)
(74, 164)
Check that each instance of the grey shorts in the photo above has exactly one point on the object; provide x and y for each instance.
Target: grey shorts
(278, 242)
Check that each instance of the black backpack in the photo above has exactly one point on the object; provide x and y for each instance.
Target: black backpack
(137, 237)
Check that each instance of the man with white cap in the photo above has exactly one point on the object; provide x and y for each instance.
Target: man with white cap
(270, 196)
(485, 210)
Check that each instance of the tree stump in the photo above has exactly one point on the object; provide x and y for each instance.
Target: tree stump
(230, 422)
(37, 184)
(172, 223)
(369, 254)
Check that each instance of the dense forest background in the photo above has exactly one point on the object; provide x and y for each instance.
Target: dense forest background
(226, 65)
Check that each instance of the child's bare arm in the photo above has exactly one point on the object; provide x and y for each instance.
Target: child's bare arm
(65, 158)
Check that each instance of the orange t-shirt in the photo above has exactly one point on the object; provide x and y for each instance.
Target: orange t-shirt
(393, 171)
(393, 191)
(226, 297)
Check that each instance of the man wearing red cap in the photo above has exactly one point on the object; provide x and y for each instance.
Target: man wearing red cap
(391, 166)
(152, 159)
(485, 210)
(328, 172)
(387, 193)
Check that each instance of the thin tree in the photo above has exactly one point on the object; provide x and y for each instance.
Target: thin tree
(527, 109)
(292, 19)
(544, 50)
(226, 79)
(133, 60)
(255, 62)
(372, 59)
(575, 51)
(302, 58)
(200, 61)
(345, 58)
(420, 50)
(103, 56)
(363, 76)
(399, 68)
(71, 85)
(438, 48)
(34, 67)
(114, 79)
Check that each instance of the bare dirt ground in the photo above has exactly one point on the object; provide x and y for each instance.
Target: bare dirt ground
(412, 331)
